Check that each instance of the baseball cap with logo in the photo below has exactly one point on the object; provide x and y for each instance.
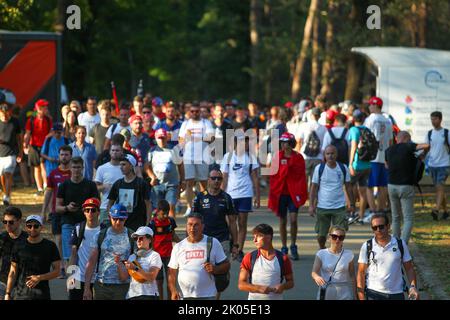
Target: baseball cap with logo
(91, 203)
(376, 101)
(35, 217)
(160, 133)
(118, 211)
(287, 137)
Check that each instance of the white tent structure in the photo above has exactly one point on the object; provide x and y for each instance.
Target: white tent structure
(413, 82)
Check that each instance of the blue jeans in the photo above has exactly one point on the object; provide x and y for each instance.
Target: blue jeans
(66, 235)
(164, 192)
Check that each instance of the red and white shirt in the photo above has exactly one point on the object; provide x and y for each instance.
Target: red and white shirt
(55, 178)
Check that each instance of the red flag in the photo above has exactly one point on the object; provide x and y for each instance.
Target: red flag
(116, 101)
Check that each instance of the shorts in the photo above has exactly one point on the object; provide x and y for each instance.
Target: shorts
(34, 156)
(439, 174)
(164, 269)
(243, 205)
(164, 192)
(56, 223)
(326, 217)
(7, 164)
(310, 165)
(286, 204)
(378, 175)
(66, 235)
(361, 178)
(199, 172)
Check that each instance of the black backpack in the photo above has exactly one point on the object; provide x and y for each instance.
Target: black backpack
(446, 142)
(312, 147)
(222, 280)
(341, 146)
(368, 145)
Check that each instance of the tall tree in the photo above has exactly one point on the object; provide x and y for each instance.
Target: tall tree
(327, 66)
(315, 54)
(255, 21)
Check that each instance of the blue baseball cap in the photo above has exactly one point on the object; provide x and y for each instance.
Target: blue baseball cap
(118, 211)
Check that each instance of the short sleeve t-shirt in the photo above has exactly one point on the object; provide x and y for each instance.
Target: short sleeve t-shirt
(439, 155)
(266, 273)
(142, 144)
(133, 196)
(78, 193)
(55, 178)
(84, 252)
(353, 135)
(113, 244)
(331, 193)
(401, 163)
(240, 183)
(172, 131)
(107, 174)
(51, 149)
(113, 129)
(163, 165)
(34, 259)
(214, 210)
(194, 133)
(151, 259)
(41, 127)
(98, 133)
(6, 249)
(382, 129)
(329, 259)
(8, 137)
(89, 155)
(163, 237)
(189, 258)
(88, 121)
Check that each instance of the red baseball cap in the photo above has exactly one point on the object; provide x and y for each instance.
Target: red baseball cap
(160, 133)
(41, 103)
(135, 117)
(376, 101)
(289, 104)
(287, 137)
(331, 114)
(91, 202)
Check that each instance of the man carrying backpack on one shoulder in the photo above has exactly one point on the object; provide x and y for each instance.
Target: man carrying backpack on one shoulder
(265, 273)
(439, 161)
(401, 162)
(380, 263)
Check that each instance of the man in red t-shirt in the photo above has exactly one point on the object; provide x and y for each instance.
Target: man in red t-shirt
(56, 177)
(163, 228)
(36, 130)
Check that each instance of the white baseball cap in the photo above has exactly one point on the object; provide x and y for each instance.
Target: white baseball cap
(143, 231)
(36, 218)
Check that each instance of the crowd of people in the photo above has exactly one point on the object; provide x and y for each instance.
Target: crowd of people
(113, 178)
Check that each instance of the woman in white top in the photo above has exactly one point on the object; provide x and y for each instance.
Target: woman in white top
(143, 266)
(334, 269)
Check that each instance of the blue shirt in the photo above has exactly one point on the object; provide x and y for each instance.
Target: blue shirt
(353, 135)
(142, 144)
(172, 130)
(51, 149)
(89, 155)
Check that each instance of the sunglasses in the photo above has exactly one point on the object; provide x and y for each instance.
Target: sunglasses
(335, 237)
(195, 111)
(10, 222)
(146, 112)
(216, 178)
(119, 219)
(93, 210)
(33, 226)
(379, 227)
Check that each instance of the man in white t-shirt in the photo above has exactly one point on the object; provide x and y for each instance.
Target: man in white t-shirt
(265, 273)
(105, 177)
(124, 115)
(439, 162)
(327, 198)
(382, 129)
(194, 136)
(310, 141)
(188, 264)
(82, 242)
(380, 263)
(89, 118)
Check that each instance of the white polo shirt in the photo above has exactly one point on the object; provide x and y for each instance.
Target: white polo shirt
(385, 273)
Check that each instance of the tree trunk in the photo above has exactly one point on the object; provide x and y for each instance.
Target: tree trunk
(295, 89)
(315, 57)
(60, 24)
(255, 18)
(327, 66)
(422, 24)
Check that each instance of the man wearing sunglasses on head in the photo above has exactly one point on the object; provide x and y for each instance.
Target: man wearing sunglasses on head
(13, 234)
(380, 275)
(34, 262)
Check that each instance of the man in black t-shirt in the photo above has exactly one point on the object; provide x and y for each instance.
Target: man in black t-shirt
(34, 262)
(220, 126)
(401, 162)
(10, 149)
(219, 214)
(12, 218)
(71, 195)
(132, 192)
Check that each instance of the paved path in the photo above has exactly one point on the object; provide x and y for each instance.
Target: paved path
(305, 288)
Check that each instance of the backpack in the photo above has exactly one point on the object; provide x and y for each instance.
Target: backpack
(222, 281)
(322, 168)
(368, 145)
(446, 142)
(341, 146)
(369, 245)
(254, 256)
(312, 147)
(47, 145)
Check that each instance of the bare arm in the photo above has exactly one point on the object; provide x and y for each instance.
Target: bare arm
(73, 256)
(175, 237)
(353, 148)
(244, 285)
(315, 274)
(361, 281)
(224, 181)
(232, 225)
(12, 277)
(313, 199)
(47, 197)
(351, 271)
(256, 188)
(171, 282)
(148, 207)
(411, 274)
(91, 264)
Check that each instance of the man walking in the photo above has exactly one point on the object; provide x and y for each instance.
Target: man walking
(98, 133)
(89, 118)
(172, 126)
(34, 262)
(116, 128)
(439, 162)
(327, 198)
(380, 265)
(50, 149)
(188, 263)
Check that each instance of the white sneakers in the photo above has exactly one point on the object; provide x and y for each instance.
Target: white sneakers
(6, 200)
(188, 211)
